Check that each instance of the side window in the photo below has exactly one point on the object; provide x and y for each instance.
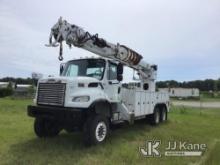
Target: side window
(72, 70)
(94, 72)
(112, 74)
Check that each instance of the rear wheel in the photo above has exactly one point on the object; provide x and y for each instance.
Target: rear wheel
(163, 114)
(95, 130)
(46, 127)
(155, 117)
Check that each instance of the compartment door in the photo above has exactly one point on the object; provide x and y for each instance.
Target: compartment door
(147, 103)
(137, 103)
(143, 102)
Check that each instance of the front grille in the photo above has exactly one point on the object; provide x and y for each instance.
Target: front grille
(51, 94)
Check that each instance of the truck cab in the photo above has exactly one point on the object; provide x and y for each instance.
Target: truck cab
(100, 74)
(81, 82)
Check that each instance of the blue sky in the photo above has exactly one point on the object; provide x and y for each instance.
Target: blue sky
(181, 37)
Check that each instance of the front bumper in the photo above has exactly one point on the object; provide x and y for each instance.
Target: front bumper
(62, 114)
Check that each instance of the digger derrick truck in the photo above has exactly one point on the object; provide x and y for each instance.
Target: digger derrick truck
(88, 95)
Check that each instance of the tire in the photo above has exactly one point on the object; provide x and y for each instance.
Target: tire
(155, 117)
(163, 115)
(95, 130)
(46, 128)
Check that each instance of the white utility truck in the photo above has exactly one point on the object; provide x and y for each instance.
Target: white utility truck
(88, 95)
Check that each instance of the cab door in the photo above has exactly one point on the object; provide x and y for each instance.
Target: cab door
(112, 88)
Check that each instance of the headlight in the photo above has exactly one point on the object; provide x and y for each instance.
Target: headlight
(81, 99)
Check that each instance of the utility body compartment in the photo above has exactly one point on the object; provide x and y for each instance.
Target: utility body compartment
(142, 102)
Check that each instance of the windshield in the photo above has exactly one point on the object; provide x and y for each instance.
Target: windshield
(85, 67)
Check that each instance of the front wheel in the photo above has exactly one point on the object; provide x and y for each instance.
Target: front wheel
(95, 130)
(46, 128)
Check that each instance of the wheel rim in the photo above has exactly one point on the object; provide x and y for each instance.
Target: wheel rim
(101, 131)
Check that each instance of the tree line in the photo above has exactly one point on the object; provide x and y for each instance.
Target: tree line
(28, 80)
(202, 85)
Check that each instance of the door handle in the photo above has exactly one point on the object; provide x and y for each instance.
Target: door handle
(110, 82)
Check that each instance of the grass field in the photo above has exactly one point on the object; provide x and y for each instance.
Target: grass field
(19, 145)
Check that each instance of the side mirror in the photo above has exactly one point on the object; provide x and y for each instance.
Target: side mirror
(119, 77)
(146, 86)
(120, 70)
(62, 68)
